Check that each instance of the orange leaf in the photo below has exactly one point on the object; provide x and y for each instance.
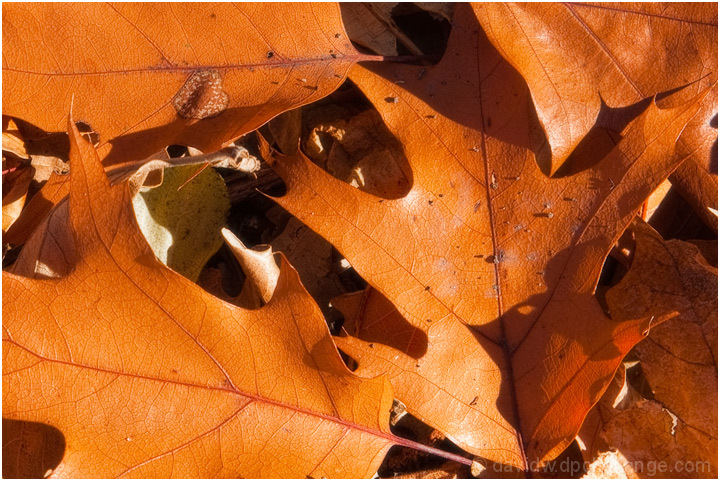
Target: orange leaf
(495, 262)
(148, 75)
(577, 57)
(148, 375)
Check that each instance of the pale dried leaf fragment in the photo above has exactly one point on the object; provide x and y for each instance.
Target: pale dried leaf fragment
(181, 224)
(260, 268)
(611, 465)
(202, 96)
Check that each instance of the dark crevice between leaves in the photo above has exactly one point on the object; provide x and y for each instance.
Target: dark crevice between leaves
(401, 460)
(421, 35)
(258, 220)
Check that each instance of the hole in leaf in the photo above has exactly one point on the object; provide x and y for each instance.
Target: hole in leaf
(87, 132)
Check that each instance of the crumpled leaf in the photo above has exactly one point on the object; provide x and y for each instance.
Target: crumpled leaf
(15, 188)
(658, 444)
(181, 224)
(577, 57)
(611, 465)
(361, 151)
(679, 358)
(54, 190)
(495, 262)
(147, 375)
(192, 74)
(619, 395)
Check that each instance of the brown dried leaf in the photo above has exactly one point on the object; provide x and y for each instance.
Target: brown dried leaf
(145, 374)
(495, 262)
(576, 58)
(171, 73)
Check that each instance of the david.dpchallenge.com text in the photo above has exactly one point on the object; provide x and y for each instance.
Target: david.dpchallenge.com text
(668, 469)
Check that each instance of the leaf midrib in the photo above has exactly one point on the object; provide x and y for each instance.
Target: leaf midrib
(160, 69)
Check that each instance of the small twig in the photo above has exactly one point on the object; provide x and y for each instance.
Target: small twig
(235, 157)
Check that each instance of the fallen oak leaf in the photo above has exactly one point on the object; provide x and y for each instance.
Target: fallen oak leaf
(147, 375)
(495, 262)
(194, 74)
(260, 268)
(604, 67)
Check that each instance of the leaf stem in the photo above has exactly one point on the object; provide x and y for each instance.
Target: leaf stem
(411, 58)
(430, 450)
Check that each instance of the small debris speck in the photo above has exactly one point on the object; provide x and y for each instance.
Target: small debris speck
(392, 100)
(270, 54)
